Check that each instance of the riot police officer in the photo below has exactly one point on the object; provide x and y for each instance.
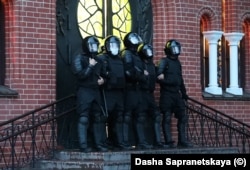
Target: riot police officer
(172, 93)
(87, 69)
(145, 51)
(134, 74)
(113, 90)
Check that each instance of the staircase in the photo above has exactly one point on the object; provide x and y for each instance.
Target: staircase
(31, 141)
(75, 160)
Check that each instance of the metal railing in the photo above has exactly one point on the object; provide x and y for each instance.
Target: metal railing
(37, 134)
(208, 127)
(32, 136)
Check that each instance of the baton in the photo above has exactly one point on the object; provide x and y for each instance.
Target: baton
(105, 104)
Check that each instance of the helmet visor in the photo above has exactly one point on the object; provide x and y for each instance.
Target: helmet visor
(134, 40)
(149, 52)
(93, 47)
(175, 50)
(114, 48)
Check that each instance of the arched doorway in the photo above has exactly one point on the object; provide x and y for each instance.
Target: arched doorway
(79, 18)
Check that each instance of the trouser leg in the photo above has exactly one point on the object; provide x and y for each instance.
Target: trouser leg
(126, 125)
(140, 132)
(99, 124)
(118, 128)
(83, 123)
(119, 133)
(181, 126)
(157, 131)
(166, 126)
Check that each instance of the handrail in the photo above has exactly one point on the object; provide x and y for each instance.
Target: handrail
(36, 110)
(210, 127)
(216, 111)
(32, 136)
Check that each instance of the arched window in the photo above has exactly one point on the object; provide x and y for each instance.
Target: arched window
(103, 18)
(113, 17)
(222, 64)
(204, 57)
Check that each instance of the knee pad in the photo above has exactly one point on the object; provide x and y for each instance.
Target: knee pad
(84, 120)
(127, 119)
(167, 117)
(141, 118)
(158, 118)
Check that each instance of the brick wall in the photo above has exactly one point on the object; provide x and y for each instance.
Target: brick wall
(181, 20)
(31, 48)
(31, 55)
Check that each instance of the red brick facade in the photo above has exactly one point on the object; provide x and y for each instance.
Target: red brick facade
(181, 20)
(31, 55)
(31, 48)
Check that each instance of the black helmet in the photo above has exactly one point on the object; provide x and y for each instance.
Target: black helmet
(132, 40)
(112, 45)
(172, 48)
(90, 44)
(145, 51)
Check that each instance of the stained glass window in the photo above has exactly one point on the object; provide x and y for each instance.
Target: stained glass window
(104, 17)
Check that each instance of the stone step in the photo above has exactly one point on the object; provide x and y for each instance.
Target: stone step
(87, 164)
(120, 160)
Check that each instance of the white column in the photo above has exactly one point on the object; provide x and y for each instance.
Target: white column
(234, 39)
(213, 37)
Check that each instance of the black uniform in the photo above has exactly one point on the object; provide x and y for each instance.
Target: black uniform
(89, 103)
(145, 51)
(133, 99)
(173, 94)
(113, 90)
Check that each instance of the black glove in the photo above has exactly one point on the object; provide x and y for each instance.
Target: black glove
(184, 96)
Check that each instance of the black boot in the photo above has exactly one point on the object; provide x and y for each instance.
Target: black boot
(157, 132)
(118, 133)
(82, 134)
(119, 143)
(158, 144)
(182, 140)
(166, 126)
(140, 134)
(125, 127)
(99, 140)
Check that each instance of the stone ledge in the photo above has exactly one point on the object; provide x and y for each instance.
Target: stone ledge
(7, 92)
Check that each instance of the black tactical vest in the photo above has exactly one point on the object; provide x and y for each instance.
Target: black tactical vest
(172, 75)
(151, 80)
(134, 65)
(116, 77)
